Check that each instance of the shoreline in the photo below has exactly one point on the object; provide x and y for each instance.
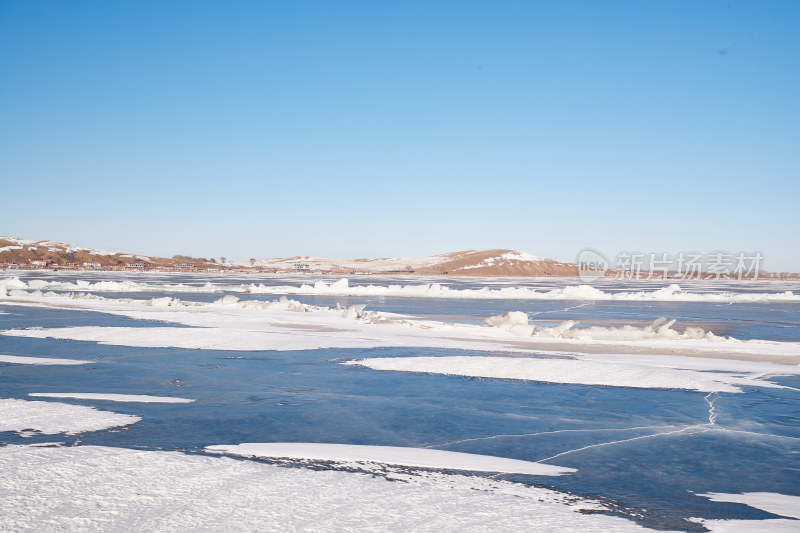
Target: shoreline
(248, 272)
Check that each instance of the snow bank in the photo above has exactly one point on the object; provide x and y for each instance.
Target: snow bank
(111, 397)
(103, 286)
(643, 372)
(672, 293)
(342, 287)
(23, 360)
(516, 322)
(52, 417)
(231, 324)
(91, 488)
(416, 457)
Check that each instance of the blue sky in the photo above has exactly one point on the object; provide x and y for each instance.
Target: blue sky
(352, 129)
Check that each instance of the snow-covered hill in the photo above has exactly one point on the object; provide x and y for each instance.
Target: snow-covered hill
(14, 250)
(467, 263)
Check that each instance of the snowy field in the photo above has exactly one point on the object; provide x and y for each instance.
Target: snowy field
(184, 403)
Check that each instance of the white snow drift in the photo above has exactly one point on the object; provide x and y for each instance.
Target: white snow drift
(230, 324)
(394, 455)
(342, 287)
(671, 293)
(517, 323)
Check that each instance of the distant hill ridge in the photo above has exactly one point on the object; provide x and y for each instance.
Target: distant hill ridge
(25, 253)
(467, 263)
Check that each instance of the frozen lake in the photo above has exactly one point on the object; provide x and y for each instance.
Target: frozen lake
(644, 452)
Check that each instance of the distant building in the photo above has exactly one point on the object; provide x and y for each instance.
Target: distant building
(135, 266)
(40, 263)
(302, 267)
(93, 265)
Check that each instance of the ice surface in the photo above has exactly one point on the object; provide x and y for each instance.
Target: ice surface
(24, 360)
(52, 417)
(111, 397)
(417, 457)
(89, 488)
(655, 373)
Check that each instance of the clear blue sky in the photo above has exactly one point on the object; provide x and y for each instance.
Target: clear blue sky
(356, 129)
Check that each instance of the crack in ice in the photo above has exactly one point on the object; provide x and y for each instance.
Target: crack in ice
(725, 430)
(703, 426)
(514, 435)
(712, 410)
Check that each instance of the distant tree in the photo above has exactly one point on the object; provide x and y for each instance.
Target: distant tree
(252, 261)
(222, 260)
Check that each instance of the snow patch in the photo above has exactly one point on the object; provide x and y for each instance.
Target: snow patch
(771, 502)
(24, 360)
(111, 397)
(649, 373)
(415, 457)
(51, 417)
